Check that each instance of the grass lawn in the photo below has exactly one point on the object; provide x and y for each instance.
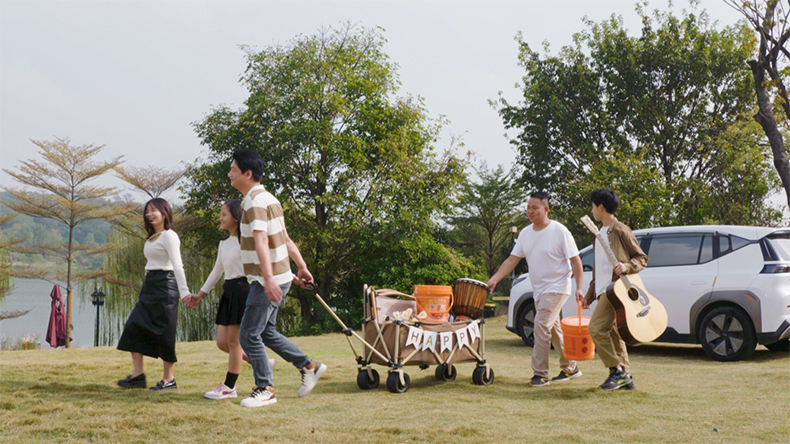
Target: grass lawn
(681, 397)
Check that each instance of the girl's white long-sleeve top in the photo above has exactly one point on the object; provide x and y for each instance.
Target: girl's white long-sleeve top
(164, 253)
(228, 262)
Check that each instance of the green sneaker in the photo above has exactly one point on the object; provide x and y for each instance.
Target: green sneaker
(618, 378)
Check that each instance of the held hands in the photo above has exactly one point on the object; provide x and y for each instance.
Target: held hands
(193, 300)
(619, 269)
(188, 300)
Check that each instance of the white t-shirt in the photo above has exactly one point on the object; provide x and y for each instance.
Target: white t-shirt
(548, 254)
(228, 262)
(603, 267)
(164, 253)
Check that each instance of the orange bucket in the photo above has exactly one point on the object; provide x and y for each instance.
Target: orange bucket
(435, 301)
(578, 343)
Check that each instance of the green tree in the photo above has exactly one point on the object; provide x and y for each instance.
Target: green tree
(487, 209)
(770, 21)
(6, 265)
(650, 116)
(63, 173)
(342, 153)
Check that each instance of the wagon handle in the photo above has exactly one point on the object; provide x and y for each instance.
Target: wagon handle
(311, 286)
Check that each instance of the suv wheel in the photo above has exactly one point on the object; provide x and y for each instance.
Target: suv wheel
(526, 323)
(727, 334)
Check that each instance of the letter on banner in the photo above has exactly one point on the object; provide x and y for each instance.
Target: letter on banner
(429, 340)
(463, 337)
(415, 335)
(474, 331)
(446, 339)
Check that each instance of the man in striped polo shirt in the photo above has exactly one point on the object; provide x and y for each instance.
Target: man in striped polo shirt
(265, 252)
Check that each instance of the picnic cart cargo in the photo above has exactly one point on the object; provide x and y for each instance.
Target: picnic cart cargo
(395, 335)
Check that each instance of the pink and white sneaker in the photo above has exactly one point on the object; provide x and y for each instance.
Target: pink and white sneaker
(221, 392)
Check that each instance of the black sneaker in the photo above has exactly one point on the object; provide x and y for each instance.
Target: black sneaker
(538, 381)
(129, 382)
(162, 385)
(564, 376)
(618, 378)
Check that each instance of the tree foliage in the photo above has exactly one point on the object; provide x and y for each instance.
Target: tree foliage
(769, 20)
(6, 265)
(651, 116)
(487, 210)
(344, 155)
(62, 176)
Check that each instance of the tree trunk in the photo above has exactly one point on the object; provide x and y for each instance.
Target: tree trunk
(765, 117)
(305, 299)
(69, 290)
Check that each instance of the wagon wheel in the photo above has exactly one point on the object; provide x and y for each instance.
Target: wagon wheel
(368, 381)
(479, 376)
(445, 372)
(394, 385)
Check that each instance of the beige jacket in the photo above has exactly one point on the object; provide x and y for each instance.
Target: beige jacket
(627, 251)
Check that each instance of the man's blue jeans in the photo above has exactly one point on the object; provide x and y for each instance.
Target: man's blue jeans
(257, 331)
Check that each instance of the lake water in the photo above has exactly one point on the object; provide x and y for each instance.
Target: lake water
(33, 293)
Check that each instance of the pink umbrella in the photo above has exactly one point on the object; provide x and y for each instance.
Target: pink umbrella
(56, 331)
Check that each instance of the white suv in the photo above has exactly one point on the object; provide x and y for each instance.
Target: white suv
(725, 287)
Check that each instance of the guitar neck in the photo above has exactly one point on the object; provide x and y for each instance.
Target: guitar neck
(610, 254)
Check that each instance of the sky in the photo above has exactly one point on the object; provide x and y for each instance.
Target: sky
(135, 75)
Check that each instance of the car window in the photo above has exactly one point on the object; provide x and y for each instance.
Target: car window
(738, 242)
(724, 244)
(730, 243)
(706, 252)
(781, 245)
(677, 249)
(588, 260)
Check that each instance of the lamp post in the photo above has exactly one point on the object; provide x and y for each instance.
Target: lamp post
(97, 298)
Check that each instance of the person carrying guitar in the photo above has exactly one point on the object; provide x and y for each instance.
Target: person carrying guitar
(630, 260)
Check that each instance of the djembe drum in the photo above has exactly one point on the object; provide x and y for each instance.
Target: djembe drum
(470, 298)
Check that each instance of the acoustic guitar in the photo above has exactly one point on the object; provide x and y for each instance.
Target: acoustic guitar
(640, 317)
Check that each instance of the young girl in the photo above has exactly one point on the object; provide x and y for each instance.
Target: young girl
(151, 328)
(233, 300)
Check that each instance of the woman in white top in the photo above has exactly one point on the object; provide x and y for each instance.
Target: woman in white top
(151, 328)
(233, 300)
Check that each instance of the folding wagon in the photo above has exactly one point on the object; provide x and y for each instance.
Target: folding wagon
(393, 339)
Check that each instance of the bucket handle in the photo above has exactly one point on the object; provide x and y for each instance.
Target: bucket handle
(579, 304)
(449, 307)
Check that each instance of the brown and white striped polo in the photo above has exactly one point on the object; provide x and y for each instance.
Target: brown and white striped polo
(261, 211)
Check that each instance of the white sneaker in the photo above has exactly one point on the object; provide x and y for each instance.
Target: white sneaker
(221, 392)
(260, 397)
(310, 377)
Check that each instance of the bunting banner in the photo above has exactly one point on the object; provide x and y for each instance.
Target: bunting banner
(462, 335)
(429, 340)
(474, 331)
(446, 340)
(414, 337)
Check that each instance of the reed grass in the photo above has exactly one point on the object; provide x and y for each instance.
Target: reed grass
(69, 396)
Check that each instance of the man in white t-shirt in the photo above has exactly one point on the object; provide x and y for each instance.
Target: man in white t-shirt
(552, 256)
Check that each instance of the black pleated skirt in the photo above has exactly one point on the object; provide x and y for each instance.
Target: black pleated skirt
(151, 328)
(233, 301)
